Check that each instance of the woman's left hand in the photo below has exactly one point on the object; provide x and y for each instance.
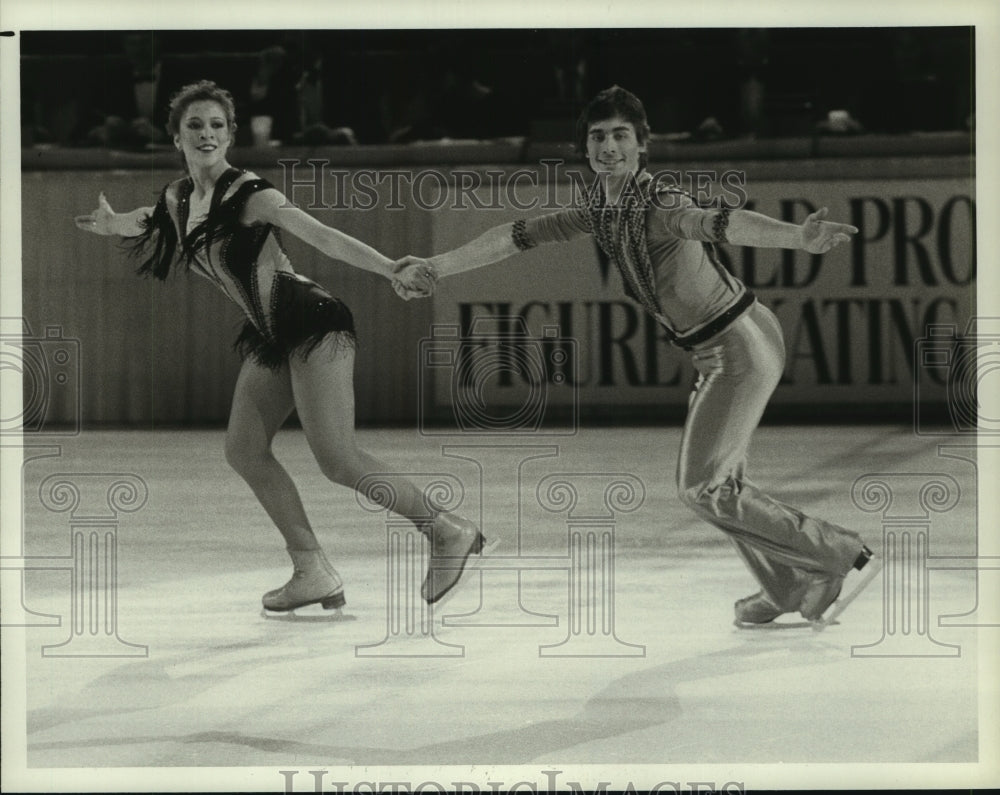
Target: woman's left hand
(819, 235)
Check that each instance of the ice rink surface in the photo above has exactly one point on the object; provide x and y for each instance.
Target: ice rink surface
(598, 641)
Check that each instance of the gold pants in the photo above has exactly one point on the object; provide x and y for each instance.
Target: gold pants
(738, 371)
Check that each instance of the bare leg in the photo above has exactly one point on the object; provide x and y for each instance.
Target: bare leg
(323, 387)
(262, 402)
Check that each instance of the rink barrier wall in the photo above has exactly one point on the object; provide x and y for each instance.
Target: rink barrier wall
(152, 354)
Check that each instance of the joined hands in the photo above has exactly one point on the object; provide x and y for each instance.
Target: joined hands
(414, 277)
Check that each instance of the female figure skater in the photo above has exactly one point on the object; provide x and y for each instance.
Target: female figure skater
(663, 246)
(297, 343)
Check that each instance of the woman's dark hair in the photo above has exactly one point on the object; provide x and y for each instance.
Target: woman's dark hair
(611, 102)
(203, 90)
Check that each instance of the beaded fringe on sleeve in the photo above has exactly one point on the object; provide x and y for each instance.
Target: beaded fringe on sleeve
(719, 224)
(519, 234)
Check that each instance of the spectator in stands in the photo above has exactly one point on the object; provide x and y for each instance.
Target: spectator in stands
(752, 61)
(273, 93)
(130, 114)
(313, 129)
(450, 104)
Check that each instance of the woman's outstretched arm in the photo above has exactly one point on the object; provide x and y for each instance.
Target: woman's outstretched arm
(270, 206)
(105, 221)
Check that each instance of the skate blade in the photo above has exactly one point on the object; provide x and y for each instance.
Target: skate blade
(488, 548)
(868, 573)
(772, 625)
(308, 613)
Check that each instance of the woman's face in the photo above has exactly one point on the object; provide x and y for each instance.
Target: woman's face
(613, 147)
(204, 135)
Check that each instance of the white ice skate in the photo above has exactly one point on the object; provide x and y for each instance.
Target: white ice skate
(314, 582)
(452, 540)
(823, 601)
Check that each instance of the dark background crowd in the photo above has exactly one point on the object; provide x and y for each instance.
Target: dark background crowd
(345, 87)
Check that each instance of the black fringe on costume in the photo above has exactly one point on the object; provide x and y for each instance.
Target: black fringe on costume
(159, 230)
(304, 316)
(226, 216)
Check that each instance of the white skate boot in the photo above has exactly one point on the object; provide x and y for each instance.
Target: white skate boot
(452, 539)
(314, 581)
